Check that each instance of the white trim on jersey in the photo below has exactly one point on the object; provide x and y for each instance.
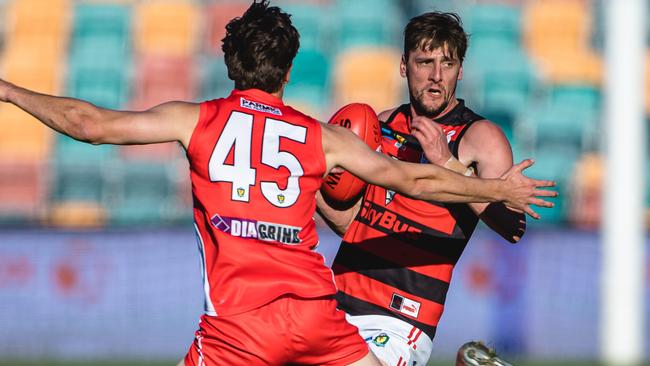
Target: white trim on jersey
(209, 307)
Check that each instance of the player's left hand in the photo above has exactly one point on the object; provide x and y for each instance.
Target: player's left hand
(522, 191)
(432, 138)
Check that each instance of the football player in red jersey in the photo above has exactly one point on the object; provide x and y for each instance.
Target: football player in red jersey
(256, 165)
(395, 262)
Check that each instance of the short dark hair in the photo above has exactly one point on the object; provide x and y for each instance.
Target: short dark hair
(429, 31)
(259, 47)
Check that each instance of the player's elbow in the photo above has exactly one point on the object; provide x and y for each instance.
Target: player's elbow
(82, 126)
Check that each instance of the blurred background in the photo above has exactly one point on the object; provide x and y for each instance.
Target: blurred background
(97, 254)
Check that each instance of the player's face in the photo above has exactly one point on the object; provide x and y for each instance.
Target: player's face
(432, 77)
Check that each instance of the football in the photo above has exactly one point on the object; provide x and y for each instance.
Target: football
(342, 189)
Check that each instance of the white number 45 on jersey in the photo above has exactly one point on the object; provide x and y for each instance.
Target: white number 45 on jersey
(238, 132)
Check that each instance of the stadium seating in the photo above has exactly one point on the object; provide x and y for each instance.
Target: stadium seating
(217, 16)
(557, 34)
(368, 23)
(368, 75)
(532, 67)
(22, 136)
(214, 78)
(309, 83)
(23, 185)
(316, 25)
(488, 21)
(586, 192)
(166, 27)
(160, 79)
(145, 194)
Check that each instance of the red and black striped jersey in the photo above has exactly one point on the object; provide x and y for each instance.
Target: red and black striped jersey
(398, 254)
(255, 166)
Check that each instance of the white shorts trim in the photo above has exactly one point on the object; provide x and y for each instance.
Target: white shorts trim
(395, 342)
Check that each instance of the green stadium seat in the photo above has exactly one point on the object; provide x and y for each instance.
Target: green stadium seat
(369, 23)
(579, 96)
(315, 25)
(80, 171)
(493, 21)
(108, 88)
(310, 79)
(556, 163)
(145, 196)
(97, 20)
(499, 77)
(214, 78)
(553, 124)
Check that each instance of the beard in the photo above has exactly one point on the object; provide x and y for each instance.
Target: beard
(417, 101)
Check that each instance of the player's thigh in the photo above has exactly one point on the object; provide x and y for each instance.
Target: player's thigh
(369, 360)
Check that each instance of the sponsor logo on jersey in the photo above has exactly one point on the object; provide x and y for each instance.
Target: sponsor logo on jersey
(256, 106)
(389, 196)
(381, 339)
(385, 220)
(405, 305)
(450, 134)
(253, 229)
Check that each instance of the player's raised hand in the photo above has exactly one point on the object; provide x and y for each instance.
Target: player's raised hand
(522, 192)
(432, 138)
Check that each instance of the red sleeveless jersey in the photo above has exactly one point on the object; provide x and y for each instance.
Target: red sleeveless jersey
(397, 257)
(256, 165)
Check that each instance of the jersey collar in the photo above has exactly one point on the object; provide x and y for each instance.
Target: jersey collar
(259, 95)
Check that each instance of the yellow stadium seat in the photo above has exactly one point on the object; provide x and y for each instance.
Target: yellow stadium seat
(23, 137)
(73, 214)
(557, 34)
(166, 27)
(586, 192)
(35, 69)
(369, 75)
(38, 21)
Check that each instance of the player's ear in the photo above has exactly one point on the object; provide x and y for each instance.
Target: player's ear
(288, 75)
(402, 67)
(460, 73)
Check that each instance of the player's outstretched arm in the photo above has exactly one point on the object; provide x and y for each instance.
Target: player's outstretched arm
(86, 122)
(337, 220)
(431, 182)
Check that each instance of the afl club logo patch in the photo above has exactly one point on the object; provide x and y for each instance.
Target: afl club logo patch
(381, 340)
(249, 104)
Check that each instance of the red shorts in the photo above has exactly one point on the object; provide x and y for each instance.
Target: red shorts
(286, 331)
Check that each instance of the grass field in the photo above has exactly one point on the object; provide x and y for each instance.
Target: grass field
(172, 362)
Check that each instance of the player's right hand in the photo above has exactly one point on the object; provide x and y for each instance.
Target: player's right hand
(522, 192)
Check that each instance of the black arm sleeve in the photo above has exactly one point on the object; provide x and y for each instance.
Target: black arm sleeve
(509, 224)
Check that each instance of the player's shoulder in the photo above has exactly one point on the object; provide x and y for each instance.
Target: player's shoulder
(385, 115)
(483, 129)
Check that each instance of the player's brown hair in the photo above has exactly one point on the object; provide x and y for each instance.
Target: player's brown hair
(431, 30)
(259, 47)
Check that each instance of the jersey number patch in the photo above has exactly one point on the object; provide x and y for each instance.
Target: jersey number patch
(237, 136)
